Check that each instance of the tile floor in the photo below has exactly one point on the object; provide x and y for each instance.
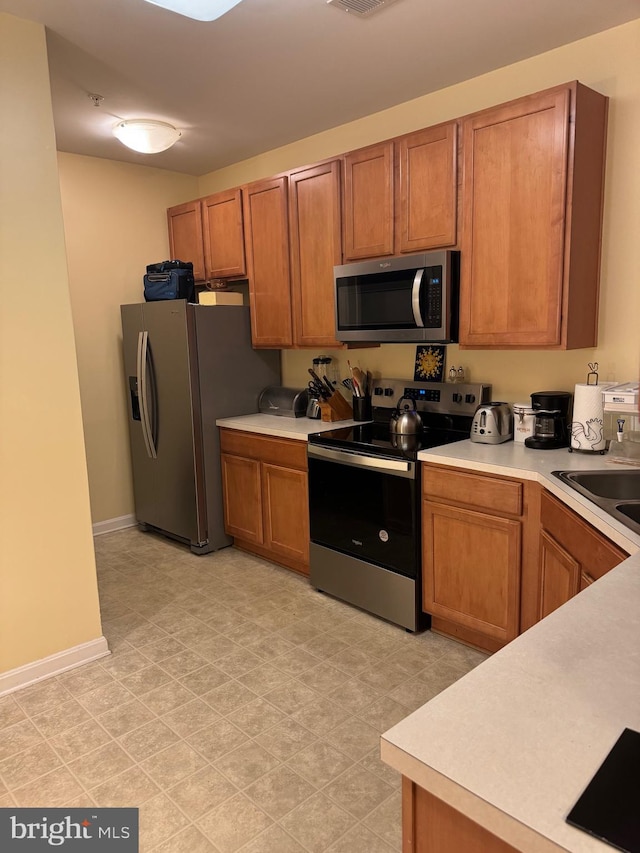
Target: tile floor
(240, 710)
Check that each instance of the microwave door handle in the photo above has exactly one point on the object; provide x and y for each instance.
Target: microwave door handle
(415, 298)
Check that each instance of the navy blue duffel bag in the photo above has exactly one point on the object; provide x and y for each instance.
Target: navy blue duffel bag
(169, 280)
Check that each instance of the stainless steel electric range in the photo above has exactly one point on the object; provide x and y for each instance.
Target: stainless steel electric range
(364, 497)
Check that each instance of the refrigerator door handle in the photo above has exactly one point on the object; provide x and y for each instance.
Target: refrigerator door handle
(145, 421)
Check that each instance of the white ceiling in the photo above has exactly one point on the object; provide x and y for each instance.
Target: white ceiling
(273, 71)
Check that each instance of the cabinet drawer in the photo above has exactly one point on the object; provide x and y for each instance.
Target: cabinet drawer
(278, 451)
(594, 552)
(476, 490)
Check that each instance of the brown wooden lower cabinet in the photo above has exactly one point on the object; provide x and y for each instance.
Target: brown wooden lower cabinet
(559, 575)
(573, 554)
(286, 527)
(242, 492)
(472, 569)
(429, 825)
(476, 551)
(265, 492)
(499, 554)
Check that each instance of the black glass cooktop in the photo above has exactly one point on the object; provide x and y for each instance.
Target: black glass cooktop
(609, 806)
(376, 438)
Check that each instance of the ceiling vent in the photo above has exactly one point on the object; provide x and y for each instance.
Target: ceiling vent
(361, 8)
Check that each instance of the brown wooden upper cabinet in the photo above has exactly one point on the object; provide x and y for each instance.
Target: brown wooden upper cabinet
(426, 190)
(532, 213)
(208, 232)
(185, 235)
(316, 247)
(293, 240)
(368, 202)
(268, 268)
(223, 235)
(400, 196)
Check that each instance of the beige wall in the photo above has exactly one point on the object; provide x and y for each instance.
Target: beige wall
(48, 590)
(115, 224)
(609, 63)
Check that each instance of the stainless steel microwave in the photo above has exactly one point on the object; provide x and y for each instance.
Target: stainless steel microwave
(399, 300)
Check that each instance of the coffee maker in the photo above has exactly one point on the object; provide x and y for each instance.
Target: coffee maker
(552, 412)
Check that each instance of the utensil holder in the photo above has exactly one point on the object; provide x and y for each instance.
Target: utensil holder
(362, 408)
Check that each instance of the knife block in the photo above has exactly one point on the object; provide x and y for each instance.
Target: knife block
(327, 414)
(336, 408)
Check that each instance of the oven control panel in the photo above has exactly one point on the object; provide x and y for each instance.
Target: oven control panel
(429, 395)
(460, 398)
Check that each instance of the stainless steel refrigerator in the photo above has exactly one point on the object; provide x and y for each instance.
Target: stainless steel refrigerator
(185, 367)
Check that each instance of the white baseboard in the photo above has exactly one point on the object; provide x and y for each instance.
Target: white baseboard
(112, 524)
(30, 673)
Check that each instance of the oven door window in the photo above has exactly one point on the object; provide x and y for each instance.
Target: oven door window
(367, 513)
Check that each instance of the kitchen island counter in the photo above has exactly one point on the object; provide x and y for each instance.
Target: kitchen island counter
(513, 744)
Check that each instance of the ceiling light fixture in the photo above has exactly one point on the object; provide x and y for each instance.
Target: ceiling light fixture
(146, 135)
(199, 10)
(360, 8)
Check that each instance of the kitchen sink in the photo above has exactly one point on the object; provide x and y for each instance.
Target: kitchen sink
(618, 485)
(616, 492)
(631, 510)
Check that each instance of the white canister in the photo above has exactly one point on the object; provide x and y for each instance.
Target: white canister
(524, 420)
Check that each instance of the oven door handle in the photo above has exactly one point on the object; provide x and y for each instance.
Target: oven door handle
(394, 467)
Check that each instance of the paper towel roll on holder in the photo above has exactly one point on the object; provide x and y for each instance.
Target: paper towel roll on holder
(587, 425)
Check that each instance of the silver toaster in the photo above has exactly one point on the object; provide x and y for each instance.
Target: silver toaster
(284, 402)
(492, 423)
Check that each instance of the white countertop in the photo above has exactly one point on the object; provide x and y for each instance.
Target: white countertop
(296, 428)
(514, 743)
(513, 459)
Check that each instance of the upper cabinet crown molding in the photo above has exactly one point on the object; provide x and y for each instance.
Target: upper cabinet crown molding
(532, 215)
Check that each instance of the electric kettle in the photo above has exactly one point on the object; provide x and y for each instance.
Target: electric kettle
(405, 420)
(492, 423)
